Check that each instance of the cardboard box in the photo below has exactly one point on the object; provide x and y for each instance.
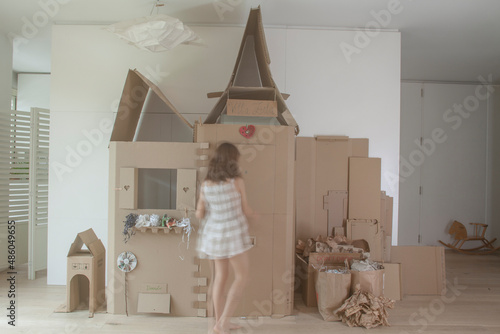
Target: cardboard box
(322, 165)
(305, 271)
(393, 288)
(423, 269)
(370, 231)
(86, 272)
(364, 188)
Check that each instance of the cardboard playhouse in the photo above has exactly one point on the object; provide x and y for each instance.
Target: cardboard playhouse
(86, 271)
(151, 175)
(338, 191)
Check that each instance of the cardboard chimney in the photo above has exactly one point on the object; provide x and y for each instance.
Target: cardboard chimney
(86, 273)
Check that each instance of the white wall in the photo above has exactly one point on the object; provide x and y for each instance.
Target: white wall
(89, 67)
(33, 90)
(453, 166)
(5, 72)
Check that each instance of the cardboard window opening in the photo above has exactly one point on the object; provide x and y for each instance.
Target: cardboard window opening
(159, 188)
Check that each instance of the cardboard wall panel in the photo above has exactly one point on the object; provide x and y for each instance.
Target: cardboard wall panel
(389, 207)
(128, 188)
(283, 260)
(370, 231)
(284, 184)
(423, 269)
(305, 185)
(153, 303)
(186, 189)
(337, 211)
(321, 166)
(393, 281)
(258, 169)
(257, 297)
(331, 174)
(364, 188)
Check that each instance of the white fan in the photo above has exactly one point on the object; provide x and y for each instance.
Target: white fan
(126, 262)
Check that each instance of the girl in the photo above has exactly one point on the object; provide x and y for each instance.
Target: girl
(225, 239)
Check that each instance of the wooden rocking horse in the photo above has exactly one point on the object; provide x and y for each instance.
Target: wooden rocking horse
(459, 233)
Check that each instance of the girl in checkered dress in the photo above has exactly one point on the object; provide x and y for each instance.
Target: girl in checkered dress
(224, 238)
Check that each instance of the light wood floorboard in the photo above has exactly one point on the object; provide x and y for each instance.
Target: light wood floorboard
(472, 305)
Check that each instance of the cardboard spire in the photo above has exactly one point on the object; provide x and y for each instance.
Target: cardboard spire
(251, 77)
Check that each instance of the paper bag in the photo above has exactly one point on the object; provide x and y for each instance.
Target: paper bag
(331, 291)
(371, 281)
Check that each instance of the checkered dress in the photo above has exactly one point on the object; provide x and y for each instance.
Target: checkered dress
(225, 230)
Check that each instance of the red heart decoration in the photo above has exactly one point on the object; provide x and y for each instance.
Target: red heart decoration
(247, 132)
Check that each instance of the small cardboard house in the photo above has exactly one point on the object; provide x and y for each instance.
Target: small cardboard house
(252, 114)
(86, 273)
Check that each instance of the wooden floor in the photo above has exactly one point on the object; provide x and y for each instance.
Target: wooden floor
(471, 305)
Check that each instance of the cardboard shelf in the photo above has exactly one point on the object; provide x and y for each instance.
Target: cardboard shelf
(156, 229)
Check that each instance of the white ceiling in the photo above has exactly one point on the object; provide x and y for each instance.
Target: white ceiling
(442, 40)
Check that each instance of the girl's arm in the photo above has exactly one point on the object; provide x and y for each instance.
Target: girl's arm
(240, 186)
(200, 206)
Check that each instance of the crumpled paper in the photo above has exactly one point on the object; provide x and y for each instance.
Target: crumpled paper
(363, 309)
(154, 33)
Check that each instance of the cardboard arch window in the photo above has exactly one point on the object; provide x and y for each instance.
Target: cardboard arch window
(131, 106)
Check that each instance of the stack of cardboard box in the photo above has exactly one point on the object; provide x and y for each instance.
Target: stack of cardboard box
(338, 188)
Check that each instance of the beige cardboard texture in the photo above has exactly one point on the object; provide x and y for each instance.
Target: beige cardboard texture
(370, 231)
(364, 188)
(153, 303)
(186, 189)
(267, 165)
(335, 204)
(86, 270)
(162, 258)
(129, 188)
(258, 170)
(305, 185)
(392, 281)
(423, 269)
(322, 166)
(252, 108)
(389, 207)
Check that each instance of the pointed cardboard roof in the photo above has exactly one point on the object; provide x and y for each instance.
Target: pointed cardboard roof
(90, 240)
(251, 73)
(131, 104)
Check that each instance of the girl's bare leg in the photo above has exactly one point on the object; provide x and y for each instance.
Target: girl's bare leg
(220, 279)
(240, 265)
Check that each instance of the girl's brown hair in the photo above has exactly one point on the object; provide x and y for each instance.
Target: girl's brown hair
(224, 163)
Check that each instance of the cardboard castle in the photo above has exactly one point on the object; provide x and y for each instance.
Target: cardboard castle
(301, 187)
(267, 149)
